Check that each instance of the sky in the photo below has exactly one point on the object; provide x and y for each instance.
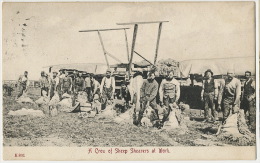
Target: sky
(36, 35)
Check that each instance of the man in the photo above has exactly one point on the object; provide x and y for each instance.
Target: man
(88, 87)
(74, 80)
(54, 84)
(149, 91)
(95, 86)
(124, 92)
(231, 95)
(169, 92)
(23, 83)
(249, 99)
(44, 83)
(209, 96)
(107, 89)
(66, 84)
(79, 83)
(61, 76)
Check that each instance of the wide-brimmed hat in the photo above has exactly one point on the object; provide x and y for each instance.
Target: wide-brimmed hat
(208, 70)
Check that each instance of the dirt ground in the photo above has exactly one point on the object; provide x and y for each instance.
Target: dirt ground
(67, 129)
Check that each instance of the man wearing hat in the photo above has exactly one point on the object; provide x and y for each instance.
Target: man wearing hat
(169, 92)
(149, 91)
(44, 83)
(231, 94)
(209, 96)
(54, 84)
(107, 89)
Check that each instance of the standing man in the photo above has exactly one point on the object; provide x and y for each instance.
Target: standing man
(149, 91)
(66, 84)
(44, 83)
(79, 83)
(107, 89)
(88, 87)
(209, 95)
(231, 95)
(249, 99)
(95, 86)
(169, 92)
(54, 84)
(23, 83)
(61, 76)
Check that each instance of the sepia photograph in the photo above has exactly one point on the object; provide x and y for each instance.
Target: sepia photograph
(129, 80)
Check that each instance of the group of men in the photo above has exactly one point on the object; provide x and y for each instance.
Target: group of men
(227, 94)
(217, 94)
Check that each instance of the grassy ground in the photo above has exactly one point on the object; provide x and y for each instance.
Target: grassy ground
(67, 129)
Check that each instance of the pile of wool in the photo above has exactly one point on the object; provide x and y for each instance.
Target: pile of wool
(235, 130)
(164, 66)
(23, 111)
(66, 103)
(25, 99)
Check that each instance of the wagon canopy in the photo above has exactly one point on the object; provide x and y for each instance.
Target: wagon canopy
(218, 66)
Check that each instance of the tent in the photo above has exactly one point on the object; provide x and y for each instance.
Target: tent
(218, 66)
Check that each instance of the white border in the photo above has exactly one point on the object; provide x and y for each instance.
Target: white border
(257, 65)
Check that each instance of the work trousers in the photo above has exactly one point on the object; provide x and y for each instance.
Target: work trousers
(153, 104)
(167, 101)
(250, 107)
(209, 103)
(106, 95)
(89, 93)
(21, 89)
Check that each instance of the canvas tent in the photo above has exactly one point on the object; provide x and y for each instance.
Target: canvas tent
(218, 66)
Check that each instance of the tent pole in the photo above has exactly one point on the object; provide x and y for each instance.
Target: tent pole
(133, 48)
(157, 43)
(127, 49)
(102, 44)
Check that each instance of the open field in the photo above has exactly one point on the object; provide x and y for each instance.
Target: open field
(67, 129)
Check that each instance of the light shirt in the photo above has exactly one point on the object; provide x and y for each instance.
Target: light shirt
(174, 82)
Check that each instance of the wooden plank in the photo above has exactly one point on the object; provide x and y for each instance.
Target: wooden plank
(151, 22)
(143, 57)
(102, 44)
(133, 48)
(157, 43)
(111, 29)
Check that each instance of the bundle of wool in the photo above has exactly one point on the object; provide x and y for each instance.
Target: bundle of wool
(23, 111)
(24, 99)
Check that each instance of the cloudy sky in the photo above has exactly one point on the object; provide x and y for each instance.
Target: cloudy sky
(36, 35)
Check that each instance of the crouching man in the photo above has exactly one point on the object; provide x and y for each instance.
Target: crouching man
(169, 92)
(149, 91)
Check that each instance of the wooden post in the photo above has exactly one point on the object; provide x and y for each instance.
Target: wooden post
(101, 41)
(158, 40)
(133, 48)
(127, 49)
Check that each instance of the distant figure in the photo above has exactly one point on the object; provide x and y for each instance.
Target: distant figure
(54, 82)
(231, 95)
(22, 84)
(124, 93)
(248, 99)
(209, 96)
(169, 92)
(79, 83)
(61, 76)
(107, 89)
(44, 83)
(66, 84)
(88, 87)
(149, 91)
(95, 86)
